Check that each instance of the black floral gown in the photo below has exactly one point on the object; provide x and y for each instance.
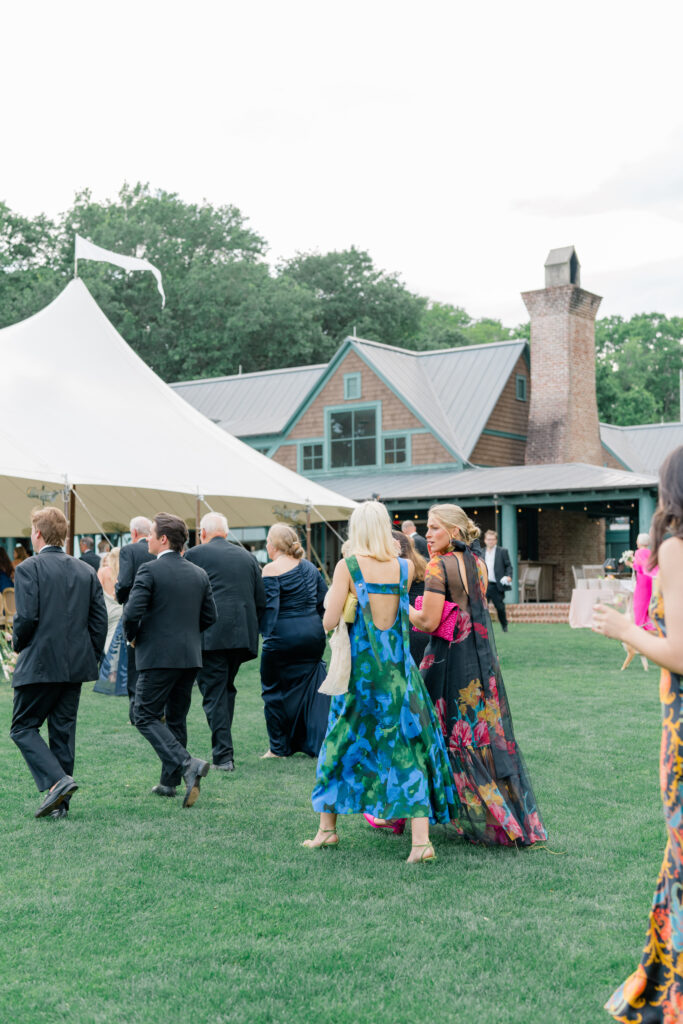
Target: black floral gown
(465, 683)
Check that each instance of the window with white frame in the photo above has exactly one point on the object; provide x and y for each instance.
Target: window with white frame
(395, 450)
(352, 386)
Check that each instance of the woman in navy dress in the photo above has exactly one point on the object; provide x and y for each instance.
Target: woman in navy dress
(292, 669)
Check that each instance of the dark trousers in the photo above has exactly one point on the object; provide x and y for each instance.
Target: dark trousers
(497, 598)
(169, 691)
(131, 682)
(58, 704)
(216, 682)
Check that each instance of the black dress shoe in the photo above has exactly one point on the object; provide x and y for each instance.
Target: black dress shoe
(224, 766)
(61, 811)
(163, 790)
(53, 798)
(193, 774)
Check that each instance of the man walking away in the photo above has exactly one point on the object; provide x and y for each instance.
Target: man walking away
(169, 607)
(60, 627)
(132, 556)
(240, 601)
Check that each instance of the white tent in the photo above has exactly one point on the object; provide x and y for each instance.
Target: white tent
(81, 408)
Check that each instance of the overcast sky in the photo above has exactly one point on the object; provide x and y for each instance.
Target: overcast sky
(456, 142)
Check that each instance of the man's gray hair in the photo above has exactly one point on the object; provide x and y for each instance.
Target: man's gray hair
(141, 525)
(214, 522)
(409, 524)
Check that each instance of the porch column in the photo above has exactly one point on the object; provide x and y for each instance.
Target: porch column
(508, 539)
(646, 510)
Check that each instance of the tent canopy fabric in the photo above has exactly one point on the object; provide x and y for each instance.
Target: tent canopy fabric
(84, 410)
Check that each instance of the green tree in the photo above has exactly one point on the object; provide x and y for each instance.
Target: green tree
(353, 295)
(637, 368)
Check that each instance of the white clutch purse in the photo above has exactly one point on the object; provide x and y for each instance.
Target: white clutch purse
(339, 671)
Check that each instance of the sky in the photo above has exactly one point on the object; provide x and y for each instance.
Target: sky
(456, 142)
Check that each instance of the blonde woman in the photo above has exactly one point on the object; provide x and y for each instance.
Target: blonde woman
(383, 754)
(114, 667)
(463, 678)
(292, 669)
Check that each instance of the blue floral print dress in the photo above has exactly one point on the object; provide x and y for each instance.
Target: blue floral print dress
(383, 752)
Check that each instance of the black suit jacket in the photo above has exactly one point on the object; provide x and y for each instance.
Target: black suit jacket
(90, 558)
(132, 556)
(169, 607)
(502, 566)
(60, 625)
(420, 545)
(238, 592)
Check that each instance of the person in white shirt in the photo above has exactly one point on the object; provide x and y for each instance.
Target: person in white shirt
(499, 568)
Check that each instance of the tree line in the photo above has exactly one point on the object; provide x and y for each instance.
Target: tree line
(228, 309)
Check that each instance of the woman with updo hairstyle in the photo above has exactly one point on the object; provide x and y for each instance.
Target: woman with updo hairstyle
(464, 680)
(292, 669)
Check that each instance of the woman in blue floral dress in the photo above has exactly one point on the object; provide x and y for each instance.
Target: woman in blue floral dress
(653, 994)
(383, 753)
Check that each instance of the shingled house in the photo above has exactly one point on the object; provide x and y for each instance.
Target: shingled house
(508, 430)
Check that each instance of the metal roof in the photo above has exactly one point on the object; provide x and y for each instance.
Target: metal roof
(643, 449)
(499, 480)
(248, 404)
(454, 391)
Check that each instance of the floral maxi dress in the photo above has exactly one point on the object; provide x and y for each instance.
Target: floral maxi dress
(383, 752)
(654, 992)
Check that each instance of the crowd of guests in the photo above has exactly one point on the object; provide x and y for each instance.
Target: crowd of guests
(423, 734)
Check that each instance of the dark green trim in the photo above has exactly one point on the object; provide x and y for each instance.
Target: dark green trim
(504, 433)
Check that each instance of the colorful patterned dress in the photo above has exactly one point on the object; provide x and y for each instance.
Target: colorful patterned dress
(383, 753)
(654, 993)
(464, 680)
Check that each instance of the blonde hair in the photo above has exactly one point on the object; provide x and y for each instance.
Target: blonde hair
(452, 517)
(370, 532)
(112, 562)
(643, 540)
(285, 539)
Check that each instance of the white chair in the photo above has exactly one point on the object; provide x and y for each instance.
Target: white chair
(530, 583)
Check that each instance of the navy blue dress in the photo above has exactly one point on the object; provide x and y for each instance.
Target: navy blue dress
(292, 668)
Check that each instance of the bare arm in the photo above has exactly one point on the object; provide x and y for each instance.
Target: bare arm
(429, 616)
(336, 595)
(665, 651)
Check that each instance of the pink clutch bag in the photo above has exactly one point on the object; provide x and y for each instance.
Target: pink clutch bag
(449, 620)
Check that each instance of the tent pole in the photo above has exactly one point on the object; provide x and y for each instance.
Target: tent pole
(198, 516)
(72, 521)
(308, 532)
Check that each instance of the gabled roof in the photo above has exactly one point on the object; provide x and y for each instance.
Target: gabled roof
(247, 404)
(435, 484)
(453, 391)
(642, 449)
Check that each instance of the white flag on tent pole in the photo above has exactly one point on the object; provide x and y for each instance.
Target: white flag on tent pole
(85, 250)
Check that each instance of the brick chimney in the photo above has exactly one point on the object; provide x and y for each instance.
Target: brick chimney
(563, 411)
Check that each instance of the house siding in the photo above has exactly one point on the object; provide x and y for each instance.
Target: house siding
(510, 416)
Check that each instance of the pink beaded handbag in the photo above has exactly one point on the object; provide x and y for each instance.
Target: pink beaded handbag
(449, 620)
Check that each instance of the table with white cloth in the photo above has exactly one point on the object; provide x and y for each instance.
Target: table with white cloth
(603, 592)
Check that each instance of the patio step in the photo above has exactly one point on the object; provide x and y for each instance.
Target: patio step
(541, 611)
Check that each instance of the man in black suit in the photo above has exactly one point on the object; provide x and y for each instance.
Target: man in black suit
(240, 601)
(420, 543)
(499, 569)
(132, 556)
(60, 627)
(169, 607)
(87, 546)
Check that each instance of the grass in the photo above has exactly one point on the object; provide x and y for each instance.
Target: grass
(135, 911)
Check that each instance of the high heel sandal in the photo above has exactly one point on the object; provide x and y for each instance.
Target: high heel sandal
(311, 844)
(423, 858)
(395, 825)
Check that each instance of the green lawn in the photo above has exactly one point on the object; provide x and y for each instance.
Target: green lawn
(135, 910)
